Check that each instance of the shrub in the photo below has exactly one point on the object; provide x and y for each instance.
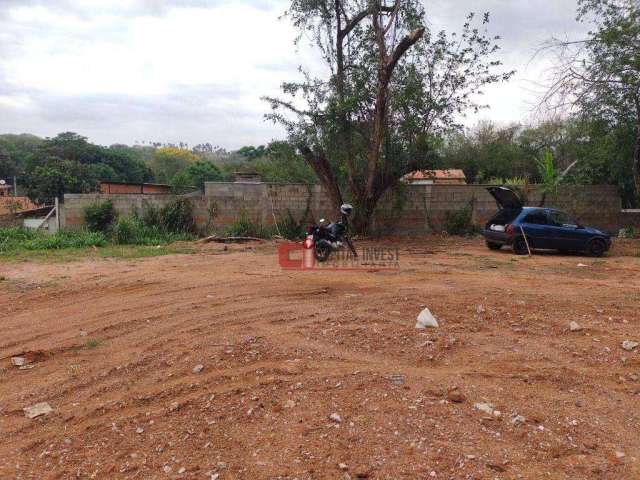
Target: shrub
(459, 223)
(290, 229)
(133, 231)
(151, 215)
(177, 216)
(125, 231)
(244, 227)
(99, 216)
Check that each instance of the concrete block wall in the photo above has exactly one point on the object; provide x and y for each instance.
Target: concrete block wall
(412, 210)
(72, 210)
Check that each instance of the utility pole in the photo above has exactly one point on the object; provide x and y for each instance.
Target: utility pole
(15, 186)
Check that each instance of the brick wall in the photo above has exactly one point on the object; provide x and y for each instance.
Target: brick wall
(412, 210)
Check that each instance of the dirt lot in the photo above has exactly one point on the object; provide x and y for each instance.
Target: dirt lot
(114, 344)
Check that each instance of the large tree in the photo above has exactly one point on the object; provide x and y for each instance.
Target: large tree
(601, 74)
(392, 87)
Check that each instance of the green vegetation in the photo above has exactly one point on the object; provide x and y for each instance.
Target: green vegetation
(151, 234)
(460, 222)
(156, 226)
(600, 152)
(99, 216)
(290, 228)
(105, 250)
(243, 226)
(133, 231)
(92, 343)
(17, 238)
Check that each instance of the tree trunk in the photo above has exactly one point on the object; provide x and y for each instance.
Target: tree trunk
(322, 168)
(636, 153)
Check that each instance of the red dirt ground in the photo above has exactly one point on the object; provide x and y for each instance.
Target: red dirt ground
(284, 350)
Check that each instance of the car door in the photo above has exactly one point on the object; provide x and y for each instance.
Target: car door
(564, 233)
(535, 225)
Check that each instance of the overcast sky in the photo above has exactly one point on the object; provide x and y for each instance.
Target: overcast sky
(194, 70)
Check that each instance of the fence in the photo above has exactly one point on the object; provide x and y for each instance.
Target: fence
(409, 210)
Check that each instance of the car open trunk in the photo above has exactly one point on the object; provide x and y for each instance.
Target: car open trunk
(509, 204)
(506, 198)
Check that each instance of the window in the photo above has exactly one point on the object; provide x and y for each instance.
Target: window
(537, 218)
(561, 219)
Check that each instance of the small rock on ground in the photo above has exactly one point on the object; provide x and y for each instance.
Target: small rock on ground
(575, 327)
(629, 345)
(198, 368)
(42, 408)
(335, 418)
(455, 395)
(18, 361)
(426, 319)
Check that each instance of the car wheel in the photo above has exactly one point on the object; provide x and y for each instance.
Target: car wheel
(520, 246)
(494, 245)
(596, 248)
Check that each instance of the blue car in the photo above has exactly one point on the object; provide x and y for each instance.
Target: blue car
(542, 228)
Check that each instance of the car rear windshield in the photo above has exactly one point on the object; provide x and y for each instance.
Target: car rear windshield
(504, 216)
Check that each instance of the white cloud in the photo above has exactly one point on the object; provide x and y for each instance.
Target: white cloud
(194, 70)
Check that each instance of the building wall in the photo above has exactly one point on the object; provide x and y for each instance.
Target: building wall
(412, 210)
(15, 204)
(133, 188)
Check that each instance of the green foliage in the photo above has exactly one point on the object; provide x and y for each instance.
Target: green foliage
(379, 114)
(196, 174)
(245, 227)
(99, 216)
(169, 161)
(290, 228)
(18, 238)
(507, 181)
(252, 152)
(281, 164)
(92, 343)
(177, 216)
(125, 231)
(460, 222)
(548, 174)
(67, 163)
(133, 231)
(151, 215)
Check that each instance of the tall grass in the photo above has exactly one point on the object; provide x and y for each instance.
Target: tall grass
(19, 238)
(243, 226)
(133, 231)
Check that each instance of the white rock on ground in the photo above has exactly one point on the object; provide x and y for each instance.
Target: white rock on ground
(484, 407)
(42, 408)
(426, 319)
(335, 417)
(198, 368)
(518, 420)
(575, 327)
(18, 361)
(628, 345)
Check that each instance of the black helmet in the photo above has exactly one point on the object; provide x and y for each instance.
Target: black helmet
(346, 209)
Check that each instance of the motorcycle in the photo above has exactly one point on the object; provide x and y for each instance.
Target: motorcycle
(332, 237)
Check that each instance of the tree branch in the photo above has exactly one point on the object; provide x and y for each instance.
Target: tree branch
(402, 47)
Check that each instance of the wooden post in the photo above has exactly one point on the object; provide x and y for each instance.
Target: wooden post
(57, 207)
(525, 240)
